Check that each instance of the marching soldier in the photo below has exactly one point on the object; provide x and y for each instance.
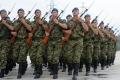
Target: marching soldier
(103, 46)
(20, 48)
(75, 43)
(37, 49)
(97, 43)
(68, 17)
(86, 56)
(54, 43)
(6, 31)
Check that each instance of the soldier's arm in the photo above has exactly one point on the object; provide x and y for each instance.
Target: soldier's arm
(28, 26)
(10, 27)
(61, 24)
(85, 27)
(100, 33)
(93, 29)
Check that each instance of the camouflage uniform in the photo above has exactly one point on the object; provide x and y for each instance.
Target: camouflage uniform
(114, 52)
(20, 48)
(103, 48)
(54, 47)
(74, 47)
(4, 47)
(37, 49)
(86, 57)
(96, 51)
(63, 61)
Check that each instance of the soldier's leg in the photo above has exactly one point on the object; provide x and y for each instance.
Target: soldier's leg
(88, 57)
(81, 63)
(39, 59)
(3, 57)
(70, 68)
(45, 60)
(53, 56)
(103, 56)
(22, 59)
(60, 62)
(64, 65)
(95, 57)
(76, 59)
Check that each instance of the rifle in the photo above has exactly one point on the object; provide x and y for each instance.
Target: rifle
(97, 16)
(11, 9)
(87, 9)
(65, 8)
(30, 10)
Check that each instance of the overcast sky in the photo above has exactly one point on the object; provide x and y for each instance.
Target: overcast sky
(110, 8)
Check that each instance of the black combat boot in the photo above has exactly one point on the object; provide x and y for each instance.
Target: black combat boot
(76, 69)
(39, 71)
(95, 66)
(87, 69)
(20, 71)
(70, 68)
(24, 64)
(1, 73)
(55, 71)
(74, 77)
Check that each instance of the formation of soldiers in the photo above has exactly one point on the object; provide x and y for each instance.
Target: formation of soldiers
(57, 44)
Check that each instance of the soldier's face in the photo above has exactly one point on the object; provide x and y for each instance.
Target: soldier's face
(38, 13)
(75, 12)
(87, 19)
(54, 14)
(102, 25)
(21, 14)
(69, 18)
(3, 14)
(95, 22)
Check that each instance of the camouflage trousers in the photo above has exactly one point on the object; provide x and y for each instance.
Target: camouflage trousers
(36, 52)
(96, 51)
(87, 52)
(73, 54)
(4, 49)
(20, 51)
(110, 52)
(103, 53)
(54, 50)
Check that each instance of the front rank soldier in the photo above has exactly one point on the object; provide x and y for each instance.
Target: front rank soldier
(54, 43)
(20, 48)
(37, 49)
(6, 31)
(74, 46)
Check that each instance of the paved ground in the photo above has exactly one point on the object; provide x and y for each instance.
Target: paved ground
(111, 73)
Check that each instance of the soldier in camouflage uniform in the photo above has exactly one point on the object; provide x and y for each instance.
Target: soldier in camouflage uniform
(114, 48)
(110, 48)
(86, 56)
(20, 48)
(103, 46)
(96, 45)
(54, 44)
(68, 17)
(6, 29)
(74, 46)
(63, 53)
(37, 49)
